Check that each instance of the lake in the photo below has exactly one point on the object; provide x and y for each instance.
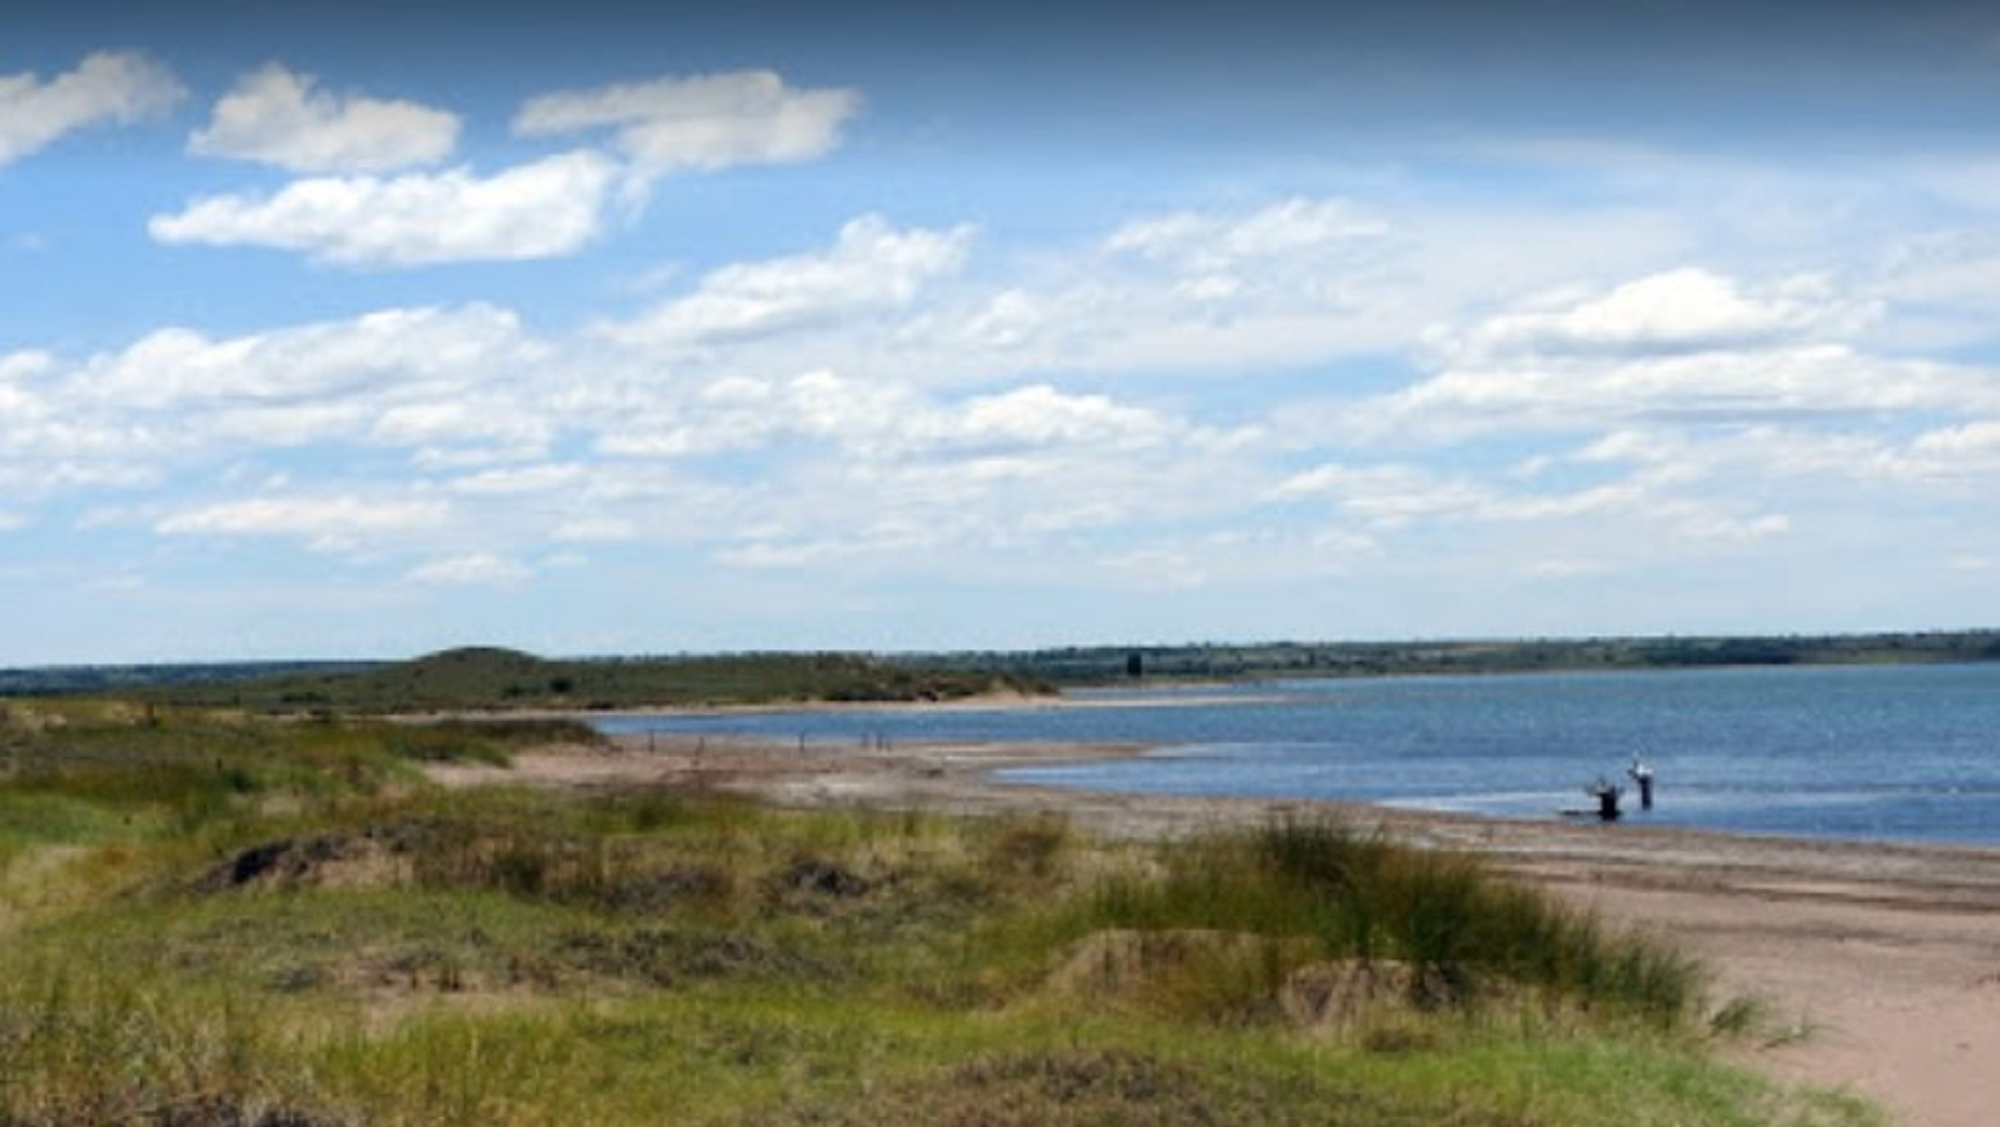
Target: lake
(1905, 753)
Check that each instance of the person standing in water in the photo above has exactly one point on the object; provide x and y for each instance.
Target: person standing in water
(1642, 775)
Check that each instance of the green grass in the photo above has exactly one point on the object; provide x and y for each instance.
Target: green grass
(1346, 895)
(337, 945)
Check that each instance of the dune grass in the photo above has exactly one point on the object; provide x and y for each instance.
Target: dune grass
(279, 925)
(1352, 895)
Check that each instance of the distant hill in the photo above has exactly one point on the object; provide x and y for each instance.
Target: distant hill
(57, 680)
(481, 678)
(1108, 664)
(491, 678)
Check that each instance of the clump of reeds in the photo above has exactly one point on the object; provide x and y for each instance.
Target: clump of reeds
(1461, 929)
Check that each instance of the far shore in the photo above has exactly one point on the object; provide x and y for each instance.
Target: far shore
(977, 702)
(1879, 964)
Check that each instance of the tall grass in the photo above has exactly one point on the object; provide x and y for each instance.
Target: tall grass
(84, 1044)
(1360, 896)
(507, 957)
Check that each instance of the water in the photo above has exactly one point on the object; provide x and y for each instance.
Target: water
(1909, 753)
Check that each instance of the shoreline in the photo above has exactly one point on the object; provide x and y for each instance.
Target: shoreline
(1878, 964)
(827, 724)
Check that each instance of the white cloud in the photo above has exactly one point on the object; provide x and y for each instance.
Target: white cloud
(1684, 346)
(333, 523)
(1695, 414)
(477, 569)
(109, 86)
(1288, 284)
(1803, 382)
(1040, 415)
(1980, 439)
(275, 116)
(1964, 456)
(1243, 274)
(872, 475)
(888, 422)
(1207, 244)
(458, 431)
(1679, 311)
(522, 481)
(603, 530)
(1389, 495)
(547, 209)
(1625, 525)
(703, 123)
(1396, 495)
(872, 268)
(451, 386)
(382, 352)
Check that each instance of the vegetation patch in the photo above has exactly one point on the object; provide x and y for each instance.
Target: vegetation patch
(214, 919)
(486, 678)
(1116, 1087)
(1461, 933)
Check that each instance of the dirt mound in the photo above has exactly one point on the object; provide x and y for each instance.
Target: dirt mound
(365, 860)
(826, 879)
(1342, 993)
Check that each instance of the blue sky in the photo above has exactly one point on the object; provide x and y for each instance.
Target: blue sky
(367, 329)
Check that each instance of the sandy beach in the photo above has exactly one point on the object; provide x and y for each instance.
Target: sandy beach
(1878, 965)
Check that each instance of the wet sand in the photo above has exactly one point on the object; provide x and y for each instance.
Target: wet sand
(1879, 965)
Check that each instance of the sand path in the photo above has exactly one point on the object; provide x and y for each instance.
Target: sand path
(1879, 965)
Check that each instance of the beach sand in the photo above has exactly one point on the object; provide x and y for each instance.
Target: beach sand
(1878, 965)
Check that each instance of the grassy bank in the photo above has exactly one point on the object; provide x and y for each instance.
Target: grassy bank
(207, 920)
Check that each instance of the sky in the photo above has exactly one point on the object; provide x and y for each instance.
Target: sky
(365, 330)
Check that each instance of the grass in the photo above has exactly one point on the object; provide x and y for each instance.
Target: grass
(1462, 933)
(308, 936)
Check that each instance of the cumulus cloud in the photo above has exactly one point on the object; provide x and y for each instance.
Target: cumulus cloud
(470, 429)
(1040, 415)
(702, 123)
(275, 116)
(1643, 509)
(1977, 440)
(331, 523)
(476, 569)
(1292, 283)
(1690, 408)
(445, 385)
(385, 351)
(871, 268)
(892, 422)
(1207, 243)
(118, 87)
(547, 209)
(1679, 311)
(1685, 346)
